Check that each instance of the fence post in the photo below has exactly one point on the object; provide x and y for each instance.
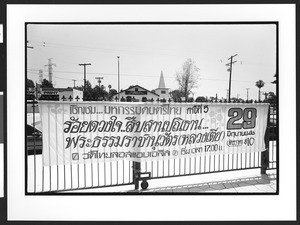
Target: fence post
(265, 154)
(136, 174)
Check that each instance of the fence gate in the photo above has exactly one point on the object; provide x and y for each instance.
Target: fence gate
(66, 159)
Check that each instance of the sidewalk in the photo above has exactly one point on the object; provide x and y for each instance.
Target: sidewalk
(255, 184)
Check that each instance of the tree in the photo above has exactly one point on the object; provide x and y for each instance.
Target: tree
(111, 93)
(176, 95)
(95, 93)
(191, 99)
(233, 99)
(80, 88)
(46, 84)
(187, 77)
(88, 91)
(271, 98)
(275, 81)
(29, 83)
(200, 99)
(99, 93)
(259, 84)
(266, 95)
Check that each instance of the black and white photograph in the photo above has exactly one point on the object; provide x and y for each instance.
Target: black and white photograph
(131, 105)
(181, 109)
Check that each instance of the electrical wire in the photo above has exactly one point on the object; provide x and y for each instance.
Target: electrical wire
(94, 48)
(133, 75)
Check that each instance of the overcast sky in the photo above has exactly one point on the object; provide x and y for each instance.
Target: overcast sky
(146, 50)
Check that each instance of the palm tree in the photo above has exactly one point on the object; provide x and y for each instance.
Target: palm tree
(259, 84)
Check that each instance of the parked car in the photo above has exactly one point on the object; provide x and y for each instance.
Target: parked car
(34, 140)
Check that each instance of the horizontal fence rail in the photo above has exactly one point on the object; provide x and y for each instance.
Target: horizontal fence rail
(53, 178)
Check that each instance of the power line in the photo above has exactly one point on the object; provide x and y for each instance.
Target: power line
(136, 52)
(95, 48)
(53, 76)
(133, 75)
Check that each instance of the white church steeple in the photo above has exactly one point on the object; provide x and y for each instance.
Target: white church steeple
(162, 91)
(161, 81)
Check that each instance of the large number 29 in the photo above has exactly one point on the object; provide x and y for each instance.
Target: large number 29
(248, 115)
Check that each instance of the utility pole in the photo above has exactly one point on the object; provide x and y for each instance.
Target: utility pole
(230, 72)
(99, 80)
(84, 75)
(118, 78)
(227, 93)
(74, 82)
(50, 69)
(247, 93)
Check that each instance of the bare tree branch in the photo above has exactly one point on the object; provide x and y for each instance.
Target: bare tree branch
(187, 77)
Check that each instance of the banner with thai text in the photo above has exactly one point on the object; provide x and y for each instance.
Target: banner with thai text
(91, 132)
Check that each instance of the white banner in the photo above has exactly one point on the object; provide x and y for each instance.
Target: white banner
(88, 132)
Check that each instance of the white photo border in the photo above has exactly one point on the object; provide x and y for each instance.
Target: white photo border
(160, 207)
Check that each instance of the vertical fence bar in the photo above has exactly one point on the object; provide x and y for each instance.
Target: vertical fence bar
(64, 160)
(43, 166)
(265, 154)
(84, 164)
(92, 165)
(50, 168)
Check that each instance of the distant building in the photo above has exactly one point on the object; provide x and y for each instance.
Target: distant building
(136, 93)
(162, 91)
(56, 94)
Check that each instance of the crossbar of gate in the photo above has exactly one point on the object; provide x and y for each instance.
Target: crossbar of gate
(41, 178)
